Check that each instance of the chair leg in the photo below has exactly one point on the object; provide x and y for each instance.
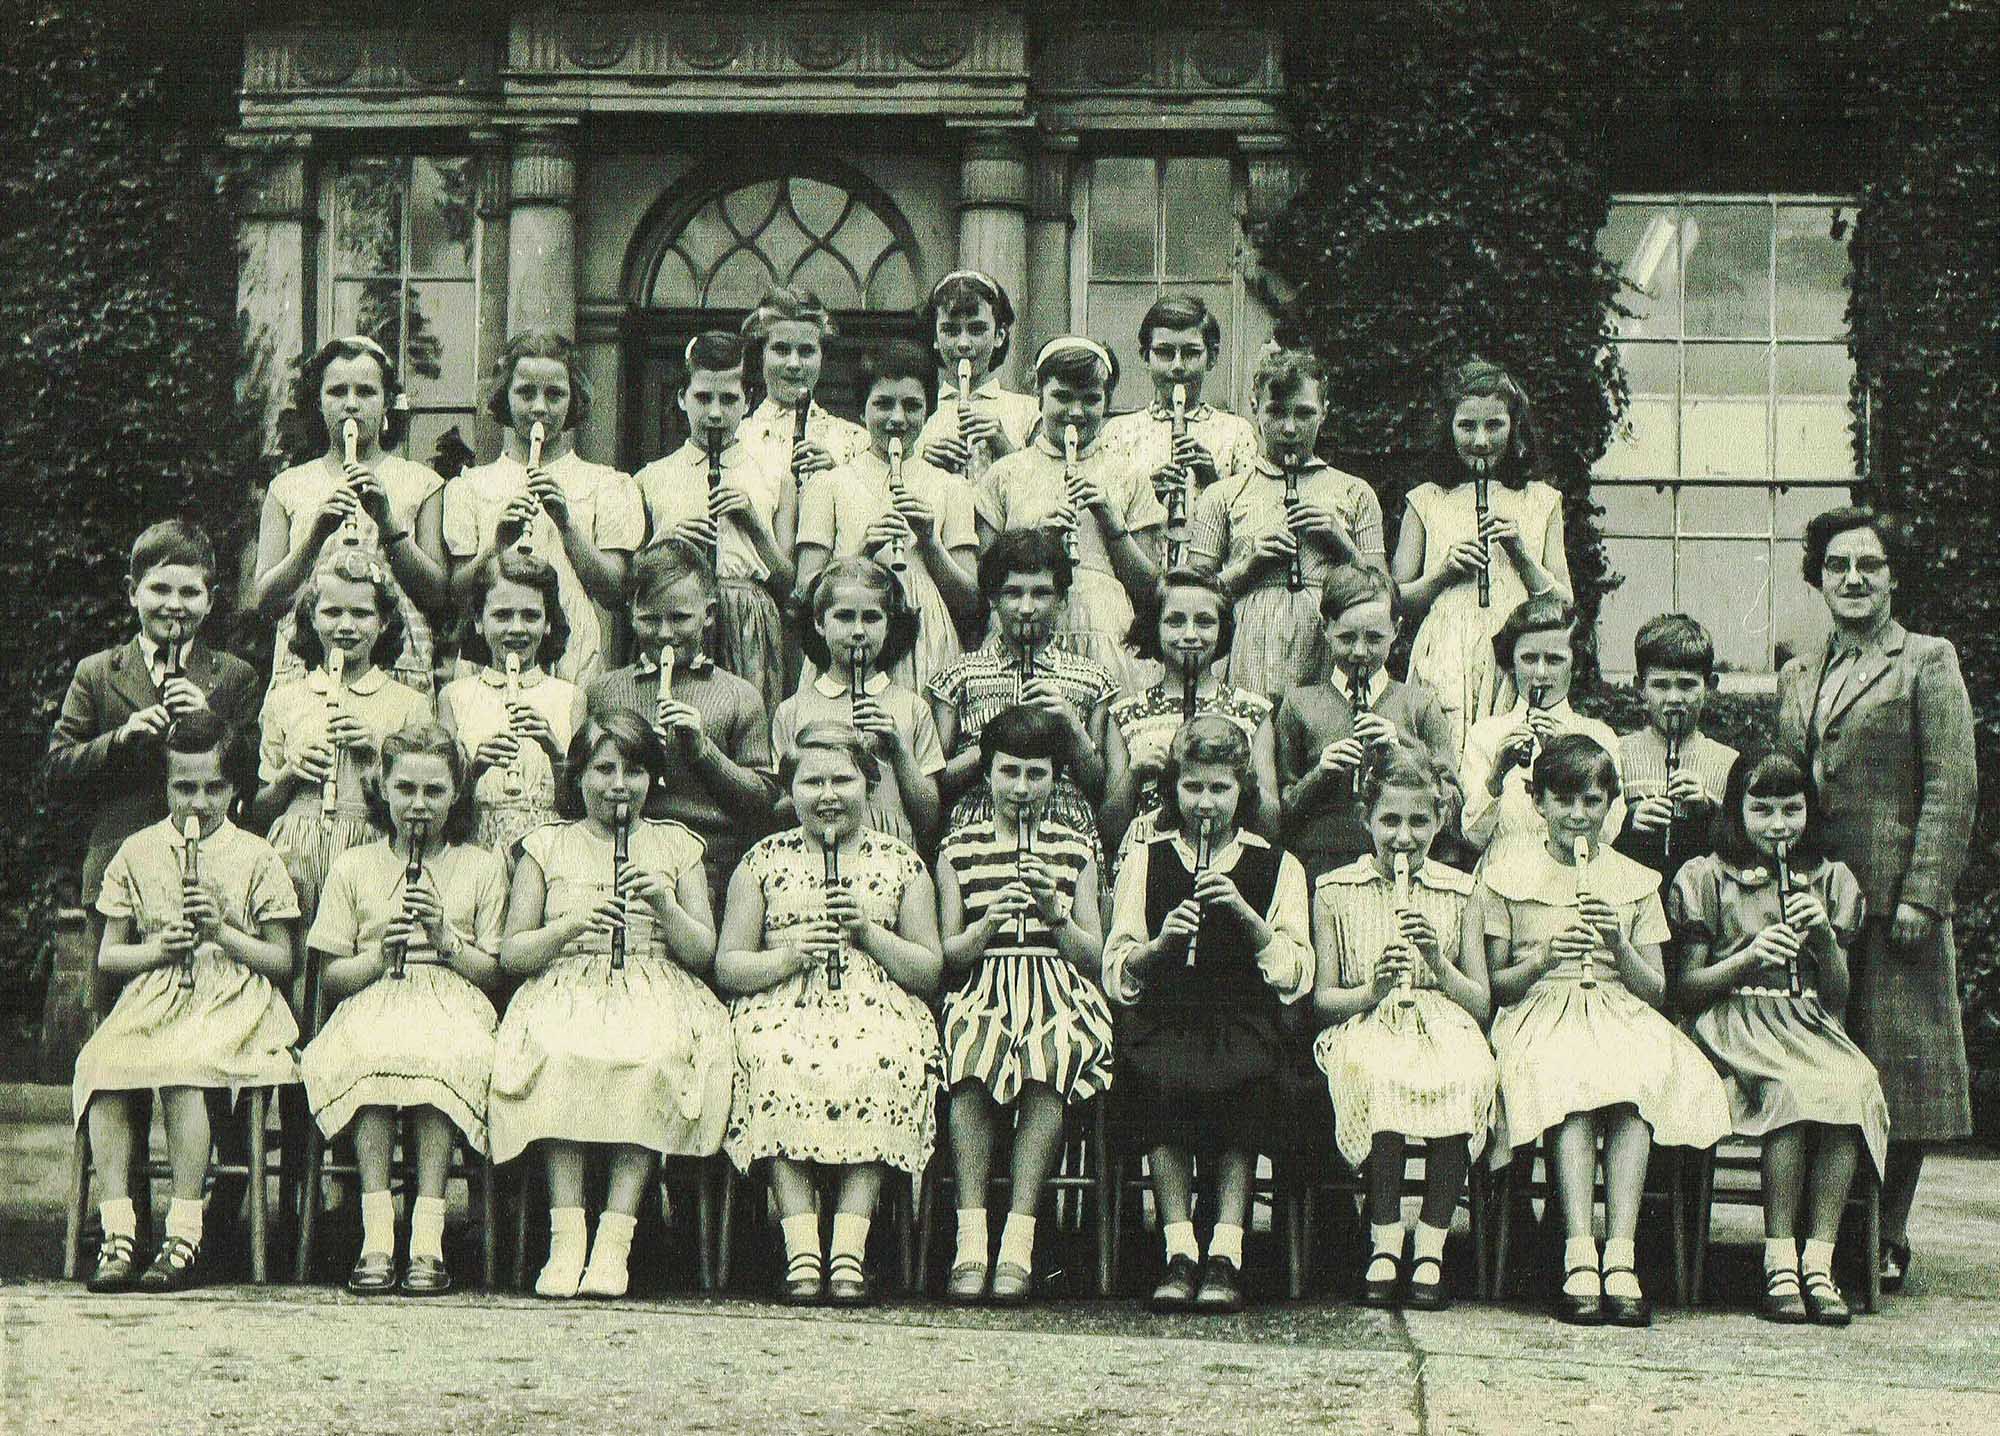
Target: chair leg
(79, 1199)
(521, 1226)
(309, 1207)
(1704, 1202)
(489, 1217)
(1295, 1270)
(926, 1220)
(906, 1232)
(1103, 1191)
(1872, 1253)
(1503, 1202)
(724, 1227)
(705, 1217)
(1478, 1213)
(1677, 1205)
(260, 1213)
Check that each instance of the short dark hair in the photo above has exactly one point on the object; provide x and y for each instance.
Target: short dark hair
(829, 735)
(1034, 550)
(1541, 614)
(664, 564)
(1078, 366)
(1766, 773)
(538, 344)
(1481, 379)
(717, 351)
(1022, 732)
(1673, 641)
(172, 541)
(1406, 767)
(1348, 585)
(395, 408)
(1571, 762)
(1208, 738)
(515, 566)
(818, 597)
(202, 731)
(356, 567)
(1180, 311)
(625, 730)
(893, 360)
(960, 295)
(1284, 372)
(429, 740)
(1823, 528)
(1143, 638)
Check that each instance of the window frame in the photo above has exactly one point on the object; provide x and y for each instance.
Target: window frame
(1774, 536)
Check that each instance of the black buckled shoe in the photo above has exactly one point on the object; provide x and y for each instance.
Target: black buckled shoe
(1580, 1309)
(1626, 1310)
(1221, 1289)
(1381, 1294)
(847, 1282)
(173, 1266)
(1823, 1301)
(1177, 1288)
(804, 1283)
(427, 1276)
(1426, 1295)
(1783, 1302)
(117, 1265)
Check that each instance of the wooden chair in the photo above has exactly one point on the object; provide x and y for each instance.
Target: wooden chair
(1341, 1180)
(1517, 1179)
(1732, 1160)
(703, 1176)
(1283, 1191)
(900, 1202)
(473, 1168)
(1078, 1189)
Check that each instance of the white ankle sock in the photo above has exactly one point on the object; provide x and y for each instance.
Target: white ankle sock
(567, 1239)
(850, 1237)
(1621, 1253)
(1227, 1241)
(1179, 1237)
(610, 1254)
(972, 1237)
(427, 1228)
(1429, 1243)
(801, 1235)
(120, 1217)
(1816, 1257)
(1781, 1254)
(378, 1222)
(1017, 1241)
(184, 1220)
(1386, 1238)
(1580, 1257)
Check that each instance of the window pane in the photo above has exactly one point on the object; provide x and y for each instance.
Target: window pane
(442, 217)
(1727, 411)
(1815, 433)
(1801, 622)
(426, 428)
(367, 217)
(1643, 241)
(1115, 311)
(1643, 446)
(1123, 212)
(1728, 270)
(1813, 269)
(1635, 509)
(443, 343)
(1727, 586)
(1200, 217)
(749, 209)
(1745, 510)
(1648, 568)
(1797, 505)
(739, 282)
(372, 307)
(819, 206)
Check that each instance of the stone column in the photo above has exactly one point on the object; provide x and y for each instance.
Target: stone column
(491, 164)
(993, 219)
(541, 231)
(1046, 311)
(274, 274)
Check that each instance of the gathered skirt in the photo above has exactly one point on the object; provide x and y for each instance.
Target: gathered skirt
(639, 1056)
(1453, 655)
(749, 639)
(308, 839)
(851, 1076)
(1566, 1048)
(1280, 643)
(1421, 1070)
(1095, 622)
(497, 826)
(424, 1041)
(1022, 1018)
(231, 1030)
(1786, 1060)
(1211, 1079)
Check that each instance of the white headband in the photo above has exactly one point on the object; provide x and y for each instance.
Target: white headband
(972, 276)
(1064, 343)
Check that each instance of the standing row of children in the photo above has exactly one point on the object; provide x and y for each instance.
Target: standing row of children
(1222, 725)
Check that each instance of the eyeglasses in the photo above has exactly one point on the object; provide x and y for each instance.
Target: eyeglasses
(1868, 566)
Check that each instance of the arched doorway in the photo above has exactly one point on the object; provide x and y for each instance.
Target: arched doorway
(712, 245)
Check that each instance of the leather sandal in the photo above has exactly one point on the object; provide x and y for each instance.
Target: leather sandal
(847, 1282)
(966, 1284)
(427, 1276)
(173, 1266)
(1012, 1284)
(117, 1265)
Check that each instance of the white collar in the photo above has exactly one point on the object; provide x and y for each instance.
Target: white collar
(370, 682)
(155, 654)
(827, 685)
(986, 388)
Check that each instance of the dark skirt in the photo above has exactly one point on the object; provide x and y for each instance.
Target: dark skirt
(1207, 1079)
(1903, 1012)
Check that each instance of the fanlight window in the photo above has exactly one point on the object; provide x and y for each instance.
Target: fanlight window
(790, 230)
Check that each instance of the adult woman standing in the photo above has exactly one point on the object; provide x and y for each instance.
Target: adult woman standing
(1884, 719)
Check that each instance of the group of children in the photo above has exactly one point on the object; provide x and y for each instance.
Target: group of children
(998, 758)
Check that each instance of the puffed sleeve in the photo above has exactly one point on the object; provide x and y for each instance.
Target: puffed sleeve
(336, 928)
(1287, 959)
(1143, 509)
(119, 896)
(817, 522)
(272, 896)
(925, 746)
(489, 905)
(956, 526)
(1208, 530)
(1649, 920)
(460, 518)
(621, 514)
(1846, 904)
(1128, 936)
(1693, 902)
(1482, 809)
(271, 736)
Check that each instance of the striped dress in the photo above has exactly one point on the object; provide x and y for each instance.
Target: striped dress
(1025, 1014)
(1416, 1063)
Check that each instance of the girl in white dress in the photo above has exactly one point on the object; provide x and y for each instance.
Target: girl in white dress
(1574, 931)
(830, 949)
(409, 965)
(786, 334)
(614, 1039)
(512, 717)
(376, 504)
(971, 323)
(1403, 989)
(1483, 421)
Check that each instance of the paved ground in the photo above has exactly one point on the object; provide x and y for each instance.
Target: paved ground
(243, 1359)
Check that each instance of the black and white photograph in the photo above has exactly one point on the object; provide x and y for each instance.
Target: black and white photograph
(1000, 716)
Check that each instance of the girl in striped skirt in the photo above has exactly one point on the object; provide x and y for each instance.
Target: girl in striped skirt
(1027, 1025)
